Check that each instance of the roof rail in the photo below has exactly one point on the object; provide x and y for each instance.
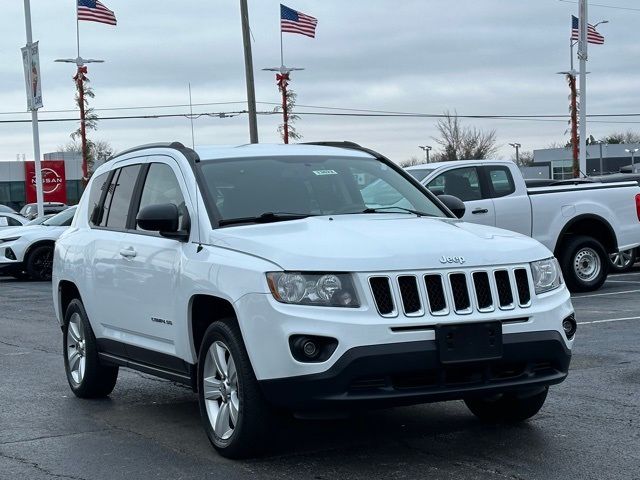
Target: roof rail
(349, 146)
(189, 153)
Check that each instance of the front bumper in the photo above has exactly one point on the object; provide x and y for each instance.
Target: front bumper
(410, 373)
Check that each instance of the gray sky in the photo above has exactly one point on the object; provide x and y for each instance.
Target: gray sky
(489, 57)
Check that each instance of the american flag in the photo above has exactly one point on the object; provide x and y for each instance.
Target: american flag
(295, 22)
(94, 11)
(592, 34)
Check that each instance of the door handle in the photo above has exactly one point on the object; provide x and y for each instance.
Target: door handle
(480, 210)
(128, 252)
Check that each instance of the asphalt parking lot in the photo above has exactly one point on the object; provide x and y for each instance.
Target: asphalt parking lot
(150, 428)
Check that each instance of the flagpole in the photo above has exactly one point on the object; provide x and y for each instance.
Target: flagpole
(77, 29)
(583, 56)
(281, 49)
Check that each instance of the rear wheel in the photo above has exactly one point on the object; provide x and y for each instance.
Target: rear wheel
(623, 261)
(86, 377)
(234, 413)
(508, 407)
(584, 262)
(39, 263)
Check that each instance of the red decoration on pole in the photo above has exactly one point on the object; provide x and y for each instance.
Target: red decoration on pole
(80, 78)
(282, 79)
(574, 125)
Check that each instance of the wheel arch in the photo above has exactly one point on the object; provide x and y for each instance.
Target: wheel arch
(592, 226)
(204, 310)
(67, 291)
(39, 243)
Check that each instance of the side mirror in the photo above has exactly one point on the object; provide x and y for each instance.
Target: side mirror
(163, 218)
(454, 204)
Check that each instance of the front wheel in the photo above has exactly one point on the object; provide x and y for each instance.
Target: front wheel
(235, 416)
(584, 262)
(39, 263)
(507, 407)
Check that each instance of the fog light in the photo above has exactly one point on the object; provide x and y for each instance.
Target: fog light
(570, 326)
(312, 349)
(9, 254)
(309, 348)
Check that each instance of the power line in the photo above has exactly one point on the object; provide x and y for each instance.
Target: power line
(615, 7)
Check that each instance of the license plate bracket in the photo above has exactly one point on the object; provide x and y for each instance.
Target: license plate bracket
(470, 342)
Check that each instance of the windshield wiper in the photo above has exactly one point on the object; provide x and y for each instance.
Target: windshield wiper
(267, 217)
(388, 210)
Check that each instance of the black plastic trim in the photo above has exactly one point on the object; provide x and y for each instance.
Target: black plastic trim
(334, 387)
(594, 186)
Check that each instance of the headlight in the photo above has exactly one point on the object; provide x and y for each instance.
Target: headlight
(322, 289)
(546, 275)
(4, 240)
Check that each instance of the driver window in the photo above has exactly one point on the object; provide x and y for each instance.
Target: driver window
(463, 183)
(161, 186)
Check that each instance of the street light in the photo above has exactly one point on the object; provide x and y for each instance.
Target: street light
(633, 152)
(427, 149)
(600, 23)
(517, 147)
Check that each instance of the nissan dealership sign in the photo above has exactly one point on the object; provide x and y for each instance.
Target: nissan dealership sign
(53, 181)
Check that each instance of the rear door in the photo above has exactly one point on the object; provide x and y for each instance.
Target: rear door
(466, 184)
(511, 203)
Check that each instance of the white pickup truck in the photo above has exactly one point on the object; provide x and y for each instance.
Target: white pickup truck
(581, 224)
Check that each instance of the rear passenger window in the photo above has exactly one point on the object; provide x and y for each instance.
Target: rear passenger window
(461, 182)
(120, 191)
(161, 186)
(98, 186)
(501, 181)
(13, 222)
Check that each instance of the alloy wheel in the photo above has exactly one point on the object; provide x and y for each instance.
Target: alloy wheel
(220, 388)
(43, 264)
(76, 349)
(622, 259)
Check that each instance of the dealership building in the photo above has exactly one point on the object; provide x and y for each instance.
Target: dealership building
(61, 180)
(556, 163)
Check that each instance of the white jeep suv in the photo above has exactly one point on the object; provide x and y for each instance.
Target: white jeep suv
(259, 276)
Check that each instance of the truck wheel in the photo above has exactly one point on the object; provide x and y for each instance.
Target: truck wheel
(507, 407)
(234, 413)
(86, 377)
(39, 263)
(623, 261)
(584, 263)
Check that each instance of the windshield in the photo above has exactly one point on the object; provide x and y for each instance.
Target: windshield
(420, 174)
(250, 187)
(62, 219)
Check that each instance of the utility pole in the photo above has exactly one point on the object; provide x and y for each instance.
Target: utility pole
(34, 115)
(248, 67)
(517, 147)
(583, 57)
(427, 149)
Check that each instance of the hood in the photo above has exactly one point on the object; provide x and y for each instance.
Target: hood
(33, 232)
(378, 242)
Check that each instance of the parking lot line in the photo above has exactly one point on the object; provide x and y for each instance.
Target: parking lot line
(623, 281)
(603, 294)
(609, 320)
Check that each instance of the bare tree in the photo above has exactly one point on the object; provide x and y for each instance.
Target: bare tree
(460, 142)
(525, 159)
(99, 151)
(410, 162)
(622, 137)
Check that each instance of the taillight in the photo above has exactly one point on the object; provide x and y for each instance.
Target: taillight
(638, 206)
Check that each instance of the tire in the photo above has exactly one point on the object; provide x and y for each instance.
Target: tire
(507, 407)
(584, 263)
(221, 393)
(39, 263)
(86, 376)
(623, 261)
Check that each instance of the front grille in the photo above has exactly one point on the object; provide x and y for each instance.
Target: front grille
(483, 290)
(460, 292)
(410, 295)
(381, 289)
(505, 295)
(435, 293)
(522, 284)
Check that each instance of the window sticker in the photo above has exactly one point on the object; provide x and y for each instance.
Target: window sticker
(325, 172)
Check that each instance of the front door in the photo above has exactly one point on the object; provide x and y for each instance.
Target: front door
(465, 184)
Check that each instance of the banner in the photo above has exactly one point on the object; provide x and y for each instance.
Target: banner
(54, 185)
(31, 61)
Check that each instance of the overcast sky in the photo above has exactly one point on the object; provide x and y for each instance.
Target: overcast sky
(489, 57)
